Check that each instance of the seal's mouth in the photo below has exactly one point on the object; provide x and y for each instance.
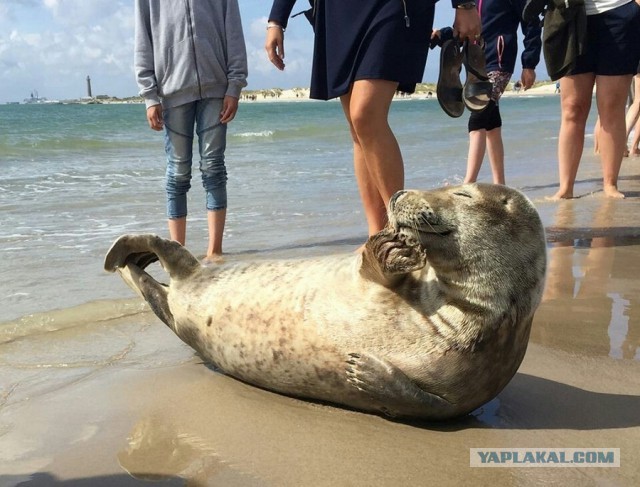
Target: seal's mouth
(428, 229)
(413, 216)
(421, 223)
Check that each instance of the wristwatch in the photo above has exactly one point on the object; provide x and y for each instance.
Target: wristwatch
(467, 5)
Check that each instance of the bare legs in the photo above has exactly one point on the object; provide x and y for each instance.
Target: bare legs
(215, 223)
(178, 229)
(634, 150)
(575, 100)
(611, 96)
(491, 142)
(634, 110)
(377, 159)
(575, 94)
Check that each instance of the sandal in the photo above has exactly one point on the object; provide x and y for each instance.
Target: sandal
(449, 87)
(477, 87)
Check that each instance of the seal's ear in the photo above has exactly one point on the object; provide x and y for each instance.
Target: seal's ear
(388, 258)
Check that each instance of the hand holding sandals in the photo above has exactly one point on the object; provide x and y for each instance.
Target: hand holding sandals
(466, 25)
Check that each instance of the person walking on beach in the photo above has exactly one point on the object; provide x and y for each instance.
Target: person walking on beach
(609, 60)
(500, 22)
(363, 53)
(633, 112)
(191, 65)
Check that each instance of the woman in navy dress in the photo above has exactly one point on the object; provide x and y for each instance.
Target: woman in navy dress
(365, 51)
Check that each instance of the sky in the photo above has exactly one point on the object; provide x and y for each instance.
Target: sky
(51, 46)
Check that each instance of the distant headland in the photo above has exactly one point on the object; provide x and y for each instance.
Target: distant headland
(423, 91)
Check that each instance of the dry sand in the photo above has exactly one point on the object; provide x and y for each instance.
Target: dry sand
(579, 387)
(302, 94)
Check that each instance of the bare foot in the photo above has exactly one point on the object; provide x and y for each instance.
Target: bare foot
(612, 192)
(560, 195)
(213, 259)
(635, 152)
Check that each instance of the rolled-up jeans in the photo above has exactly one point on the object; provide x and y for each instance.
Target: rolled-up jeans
(179, 123)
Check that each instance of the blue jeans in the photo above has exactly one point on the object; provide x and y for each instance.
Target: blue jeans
(179, 123)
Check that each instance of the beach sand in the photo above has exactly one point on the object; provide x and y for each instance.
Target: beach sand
(302, 94)
(174, 421)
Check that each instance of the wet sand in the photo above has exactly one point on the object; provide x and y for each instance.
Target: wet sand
(175, 421)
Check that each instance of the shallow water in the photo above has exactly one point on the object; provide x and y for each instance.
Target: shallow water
(96, 389)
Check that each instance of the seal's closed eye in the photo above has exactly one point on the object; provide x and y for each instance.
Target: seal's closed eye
(463, 193)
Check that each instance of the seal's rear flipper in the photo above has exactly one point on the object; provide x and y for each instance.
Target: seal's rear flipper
(388, 258)
(395, 393)
(142, 250)
(150, 290)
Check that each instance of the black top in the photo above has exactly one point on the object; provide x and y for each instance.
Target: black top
(358, 39)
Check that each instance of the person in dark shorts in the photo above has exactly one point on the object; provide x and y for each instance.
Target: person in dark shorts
(500, 22)
(609, 62)
(363, 53)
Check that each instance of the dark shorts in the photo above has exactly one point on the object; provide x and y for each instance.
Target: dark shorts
(357, 40)
(613, 42)
(487, 119)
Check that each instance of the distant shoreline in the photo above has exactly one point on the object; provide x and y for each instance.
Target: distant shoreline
(423, 91)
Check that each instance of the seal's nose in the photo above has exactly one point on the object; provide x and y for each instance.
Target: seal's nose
(395, 198)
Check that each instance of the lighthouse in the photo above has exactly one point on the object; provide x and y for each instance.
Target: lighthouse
(89, 87)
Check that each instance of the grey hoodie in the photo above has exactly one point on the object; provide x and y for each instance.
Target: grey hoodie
(187, 50)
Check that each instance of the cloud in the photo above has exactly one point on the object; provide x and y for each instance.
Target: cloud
(298, 47)
(66, 41)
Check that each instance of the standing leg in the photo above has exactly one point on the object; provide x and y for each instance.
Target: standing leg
(477, 148)
(377, 159)
(634, 109)
(596, 134)
(215, 222)
(611, 96)
(495, 148)
(575, 102)
(212, 141)
(635, 150)
(178, 122)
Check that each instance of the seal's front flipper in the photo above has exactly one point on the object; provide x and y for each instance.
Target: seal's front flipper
(389, 257)
(391, 389)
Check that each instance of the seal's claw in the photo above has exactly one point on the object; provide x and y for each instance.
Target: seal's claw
(364, 373)
(388, 386)
(396, 253)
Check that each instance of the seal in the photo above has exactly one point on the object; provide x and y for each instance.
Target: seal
(431, 321)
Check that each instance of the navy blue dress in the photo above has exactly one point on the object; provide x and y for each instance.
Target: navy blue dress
(365, 39)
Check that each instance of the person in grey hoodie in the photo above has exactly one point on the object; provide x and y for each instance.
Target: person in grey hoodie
(191, 65)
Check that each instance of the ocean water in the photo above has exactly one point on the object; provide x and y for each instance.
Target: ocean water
(75, 177)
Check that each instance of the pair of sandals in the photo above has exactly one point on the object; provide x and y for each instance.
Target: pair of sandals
(476, 92)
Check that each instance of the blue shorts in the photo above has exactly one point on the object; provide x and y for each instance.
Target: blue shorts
(613, 42)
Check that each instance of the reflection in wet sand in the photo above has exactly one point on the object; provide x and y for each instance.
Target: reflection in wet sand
(591, 303)
(157, 449)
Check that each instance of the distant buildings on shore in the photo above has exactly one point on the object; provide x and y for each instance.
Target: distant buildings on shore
(34, 99)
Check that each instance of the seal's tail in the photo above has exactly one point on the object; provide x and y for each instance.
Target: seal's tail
(131, 254)
(142, 250)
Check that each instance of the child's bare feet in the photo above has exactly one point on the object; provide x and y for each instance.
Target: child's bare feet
(213, 259)
(612, 192)
(560, 195)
